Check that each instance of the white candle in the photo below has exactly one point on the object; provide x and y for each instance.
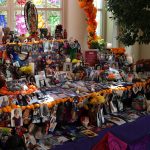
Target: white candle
(32, 66)
(130, 59)
(109, 45)
(68, 60)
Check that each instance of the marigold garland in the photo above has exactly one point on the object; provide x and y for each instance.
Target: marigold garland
(90, 11)
(31, 89)
(35, 42)
(96, 98)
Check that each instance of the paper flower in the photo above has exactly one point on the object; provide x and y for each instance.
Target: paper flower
(90, 11)
(21, 2)
(38, 2)
(41, 22)
(20, 24)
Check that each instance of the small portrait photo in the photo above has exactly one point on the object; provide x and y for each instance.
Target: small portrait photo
(45, 114)
(47, 125)
(26, 116)
(22, 100)
(41, 79)
(113, 65)
(49, 71)
(4, 101)
(29, 140)
(52, 121)
(46, 46)
(36, 116)
(6, 120)
(16, 117)
(14, 100)
(52, 126)
(42, 83)
(67, 66)
(31, 79)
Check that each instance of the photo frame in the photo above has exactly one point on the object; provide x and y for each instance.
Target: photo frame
(16, 118)
(4, 101)
(45, 114)
(46, 46)
(41, 80)
(36, 116)
(49, 72)
(67, 66)
(26, 116)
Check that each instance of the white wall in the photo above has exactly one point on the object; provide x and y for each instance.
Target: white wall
(109, 26)
(111, 34)
(76, 22)
(134, 51)
(145, 51)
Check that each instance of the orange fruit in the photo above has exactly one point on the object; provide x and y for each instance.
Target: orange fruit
(23, 107)
(36, 105)
(28, 107)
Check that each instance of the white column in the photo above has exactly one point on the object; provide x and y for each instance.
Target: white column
(76, 22)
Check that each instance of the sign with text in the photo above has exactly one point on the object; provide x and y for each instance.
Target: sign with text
(91, 57)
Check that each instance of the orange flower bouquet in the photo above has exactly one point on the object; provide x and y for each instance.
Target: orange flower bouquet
(90, 11)
(118, 50)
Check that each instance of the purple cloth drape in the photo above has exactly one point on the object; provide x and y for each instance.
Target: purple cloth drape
(131, 133)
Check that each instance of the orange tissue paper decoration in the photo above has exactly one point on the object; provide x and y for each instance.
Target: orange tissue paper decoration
(90, 12)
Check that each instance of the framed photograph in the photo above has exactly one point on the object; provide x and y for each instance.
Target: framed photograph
(15, 100)
(29, 140)
(31, 79)
(67, 66)
(45, 114)
(26, 116)
(16, 117)
(41, 79)
(46, 46)
(53, 124)
(4, 101)
(36, 116)
(16, 64)
(49, 72)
